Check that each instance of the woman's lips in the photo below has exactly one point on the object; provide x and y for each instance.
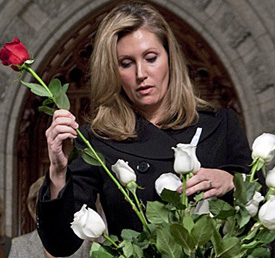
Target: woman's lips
(145, 89)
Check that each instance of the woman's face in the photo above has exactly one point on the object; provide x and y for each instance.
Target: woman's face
(144, 70)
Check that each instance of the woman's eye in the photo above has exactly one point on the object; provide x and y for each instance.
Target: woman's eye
(125, 64)
(151, 59)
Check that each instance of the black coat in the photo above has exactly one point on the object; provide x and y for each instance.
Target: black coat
(222, 145)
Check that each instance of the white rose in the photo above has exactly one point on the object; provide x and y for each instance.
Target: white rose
(185, 159)
(124, 172)
(264, 147)
(266, 213)
(270, 178)
(168, 181)
(253, 205)
(88, 224)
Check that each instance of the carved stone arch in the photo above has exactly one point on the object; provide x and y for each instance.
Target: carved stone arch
(68, 61)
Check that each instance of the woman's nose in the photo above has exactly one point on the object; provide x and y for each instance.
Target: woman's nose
(141, 72)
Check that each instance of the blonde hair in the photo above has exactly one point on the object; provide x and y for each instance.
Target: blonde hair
(33, 196)
(112, 115)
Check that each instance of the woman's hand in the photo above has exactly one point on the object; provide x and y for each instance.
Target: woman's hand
(60, 137)
(214, 182)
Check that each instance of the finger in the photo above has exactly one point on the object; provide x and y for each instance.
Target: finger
(61, 129)
(201, 186)
(63, 120)
(213, 192)
(179, 189)
(64, 117)
(210, 193)
(194, 180)
(62, 113)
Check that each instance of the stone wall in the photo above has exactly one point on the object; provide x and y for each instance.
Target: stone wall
(241, 32)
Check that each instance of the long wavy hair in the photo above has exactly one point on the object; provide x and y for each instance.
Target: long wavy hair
(112, 115)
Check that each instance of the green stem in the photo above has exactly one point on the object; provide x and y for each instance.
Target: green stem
(253, 171)
(184, 197)
(184, 189)
(115, 180)
(232, 228)
(109, 239)
(35, 75)
(139, 206)
(185, 177)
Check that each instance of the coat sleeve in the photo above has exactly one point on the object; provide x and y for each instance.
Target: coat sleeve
(238, 150)
(54, 217)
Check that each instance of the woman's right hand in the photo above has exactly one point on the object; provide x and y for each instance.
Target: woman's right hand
(60, 137)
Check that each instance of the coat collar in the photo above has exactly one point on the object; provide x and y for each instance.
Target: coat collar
(154, 143)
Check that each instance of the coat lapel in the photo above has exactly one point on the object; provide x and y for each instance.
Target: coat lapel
(154, 143)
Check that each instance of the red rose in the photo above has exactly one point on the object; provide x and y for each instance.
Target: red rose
(14, 53)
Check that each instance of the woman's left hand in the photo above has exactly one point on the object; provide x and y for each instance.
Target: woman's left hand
(214, 182)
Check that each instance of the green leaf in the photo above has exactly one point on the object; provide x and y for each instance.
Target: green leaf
(65, 87)
(129, 234)
(267, 236)
(156, 212)
(59, 94)
(240, 190)
(250, 235)
(89, 157)
(166, 245)
(188, 222)
(97, 251)
(244, 189)
(251, 245)
(49, 111)
(199, 196)
(62, 101)
(37, 89)
(170, 196)
(221, 209)
(131, 250)
(216, 239)
(229, 247)
(203, 230)
(108, 243)
(47, 101)
(55, 87)
(182, 236)
(260, 252)
(242, 216)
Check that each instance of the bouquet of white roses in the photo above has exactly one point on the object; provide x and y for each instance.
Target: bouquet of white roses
(175, 227)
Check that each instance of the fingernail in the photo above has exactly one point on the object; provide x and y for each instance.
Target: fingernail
(187, 192)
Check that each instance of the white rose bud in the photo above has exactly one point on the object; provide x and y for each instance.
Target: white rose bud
(253, 205)
(124, 172)
(167, 181)
(266, 213)
(88, 224)
(185, 159)
(270, 178)
(263, 147)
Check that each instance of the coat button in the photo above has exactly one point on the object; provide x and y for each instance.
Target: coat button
(143, 167)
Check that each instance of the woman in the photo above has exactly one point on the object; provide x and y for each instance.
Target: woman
(142, 105)
(30, 245)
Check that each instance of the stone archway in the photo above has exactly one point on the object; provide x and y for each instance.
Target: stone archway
(68, 61)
